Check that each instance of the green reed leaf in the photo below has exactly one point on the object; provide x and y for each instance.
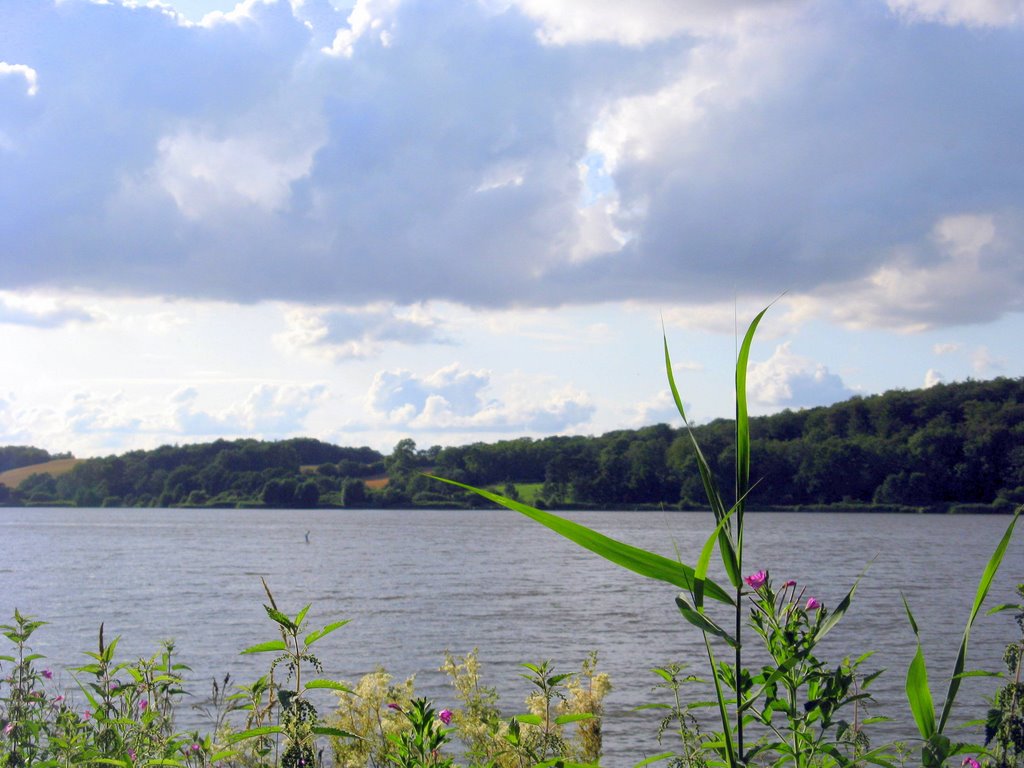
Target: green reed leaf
(702, 622)
(648, 564)
(983, 588)
(701, 571)
(725, 542)
(919, 695)
(312, 637)
(654, 759)
(743, 420)
(270, 645)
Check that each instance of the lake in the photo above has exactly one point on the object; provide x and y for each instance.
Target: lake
(418, 582)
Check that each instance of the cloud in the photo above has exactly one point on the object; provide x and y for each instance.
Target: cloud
(933, 377)
(25, 71)
(969, 13)
(969, 271)
(455, 400)
(39, 313)
(506, 154)
(346, 333)
(985, 363)
(89, 422)
(269, 411)
(583, 21)
(792, 381)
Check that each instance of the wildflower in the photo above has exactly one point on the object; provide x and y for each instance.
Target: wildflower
(87, 714)
(131, 754)
(48, 674)
(195, 747)
(9, 729)
(113, 685)
(445, 716)
(812, 604)
(58, 699)
(970, 762)
(393, 705)
(790, 583)
(142, 705)
(757, 580)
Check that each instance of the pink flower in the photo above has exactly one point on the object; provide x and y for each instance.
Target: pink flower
(142, 705)
(756, 580)
(48, 674)
(195, 747)
(812, 604)
(971, 762)
(394, 706)
(445, 716)
(790, 583)
(87, 714)
(58, 699)
(131, 754)
(8, 729)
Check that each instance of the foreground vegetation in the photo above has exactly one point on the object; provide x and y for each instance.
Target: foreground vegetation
(952, 447)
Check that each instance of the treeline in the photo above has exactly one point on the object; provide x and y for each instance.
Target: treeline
(950, 445)
(15, 456)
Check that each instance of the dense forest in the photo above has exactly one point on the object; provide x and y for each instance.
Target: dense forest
(952, 447)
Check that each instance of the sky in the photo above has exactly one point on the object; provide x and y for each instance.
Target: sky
(471, 220)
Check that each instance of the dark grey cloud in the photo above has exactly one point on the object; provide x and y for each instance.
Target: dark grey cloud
(806, 149)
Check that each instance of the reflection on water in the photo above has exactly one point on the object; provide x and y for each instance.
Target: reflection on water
(418, 583)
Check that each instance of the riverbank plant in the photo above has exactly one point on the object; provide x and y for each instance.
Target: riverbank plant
(797, 703)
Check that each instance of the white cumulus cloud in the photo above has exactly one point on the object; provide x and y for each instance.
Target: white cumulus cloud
(787, 379)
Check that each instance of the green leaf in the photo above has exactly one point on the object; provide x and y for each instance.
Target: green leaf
(1004, 607)
(707, 477)
(701, 571)
(983, 588)
(743, 421)
(302, 614)
(654, 759)
(648, 564)
(280, 618)
(566, 719)
(312, 637)
(529, 719)
(270, 645)
(702, 622)
(840, 610)
(324, 730)
(252, 733)
(329, 684)
(919, 695)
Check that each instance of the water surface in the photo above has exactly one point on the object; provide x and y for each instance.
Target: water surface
(417, 583)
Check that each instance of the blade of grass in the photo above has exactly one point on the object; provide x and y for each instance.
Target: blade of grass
(919, 695)
(983, 588)
(648, 564)
(725, 541)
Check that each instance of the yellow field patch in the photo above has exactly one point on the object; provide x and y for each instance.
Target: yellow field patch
(12, 478)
